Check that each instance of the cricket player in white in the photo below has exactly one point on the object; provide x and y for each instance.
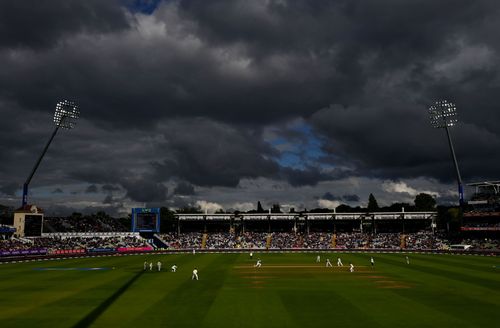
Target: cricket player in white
(195, 274)
(151, 266)
(258, 264)
(251, 255)
(145, 265)
(407, 260)
(372, 261)
(351, 268)
(194, 251)
(339, 262)
(328, 263)
(318, 259)
(158, 264)
(174, 268)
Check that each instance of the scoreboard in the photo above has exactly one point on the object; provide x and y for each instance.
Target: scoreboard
(33, 225)
(145, 220)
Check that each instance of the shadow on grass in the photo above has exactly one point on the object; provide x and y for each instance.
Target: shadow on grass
(92, 316)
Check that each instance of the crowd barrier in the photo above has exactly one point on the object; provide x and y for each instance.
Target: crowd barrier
(68, 251)
(134, 249)
(41, 253)
(24, 252)
(102, 250)
(89, 234)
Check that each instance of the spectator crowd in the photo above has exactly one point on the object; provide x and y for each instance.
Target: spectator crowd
(72, 242)
(83, 224)
(248, 240)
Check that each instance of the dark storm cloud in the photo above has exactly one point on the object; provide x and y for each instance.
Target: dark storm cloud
(410, 148)
(184, 94)
(145, 191)
(34, 24)
(92, 189)
(184, 188)
(390, 62)
(140, 188)
(351, 198)
(301, 177)
(329, 196)
(108, 200)
(258, 61)
(109, 188)
(207, 153)
(9, 189)
(180, 202)
(61, 210)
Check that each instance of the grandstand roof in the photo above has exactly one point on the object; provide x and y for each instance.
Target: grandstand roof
(311, 216)
(484, 183)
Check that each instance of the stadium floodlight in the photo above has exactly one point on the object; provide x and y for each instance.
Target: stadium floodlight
(65, 116)
(443, 115)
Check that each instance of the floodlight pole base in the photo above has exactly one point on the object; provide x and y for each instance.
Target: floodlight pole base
(25, 194)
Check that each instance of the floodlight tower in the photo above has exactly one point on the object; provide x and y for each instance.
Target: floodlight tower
(443, 115)
(65, 117)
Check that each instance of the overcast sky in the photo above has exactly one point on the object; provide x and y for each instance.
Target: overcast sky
(225, 103)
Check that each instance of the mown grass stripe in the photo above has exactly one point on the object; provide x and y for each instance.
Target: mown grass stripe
(447, 273)
(92, 316)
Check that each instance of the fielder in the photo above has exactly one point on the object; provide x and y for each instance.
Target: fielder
(151, 266)
(251, 255)
(258, 264)
(174, 268)
(318, 259)
(339, 262)
(351, 267)
(372, 262)
(145, 265)
(195, 274)
(328, 263)
(158, 264)
(407, 260)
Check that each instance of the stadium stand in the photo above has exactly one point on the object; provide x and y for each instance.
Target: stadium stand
(83, 224)
(88, 242)
(100, 233)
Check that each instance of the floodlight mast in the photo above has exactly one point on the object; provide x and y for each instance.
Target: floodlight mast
(65, 117)
(443, 115)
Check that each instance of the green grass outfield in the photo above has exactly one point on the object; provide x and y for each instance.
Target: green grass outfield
(290, 290)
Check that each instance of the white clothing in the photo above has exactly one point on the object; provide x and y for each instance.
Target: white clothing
(258, 264)
(339, 262)
(174, 268)
(195, 275)
(151, 266)
(351, 268)
(328, 263)
(158, 265)
(318, 259)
